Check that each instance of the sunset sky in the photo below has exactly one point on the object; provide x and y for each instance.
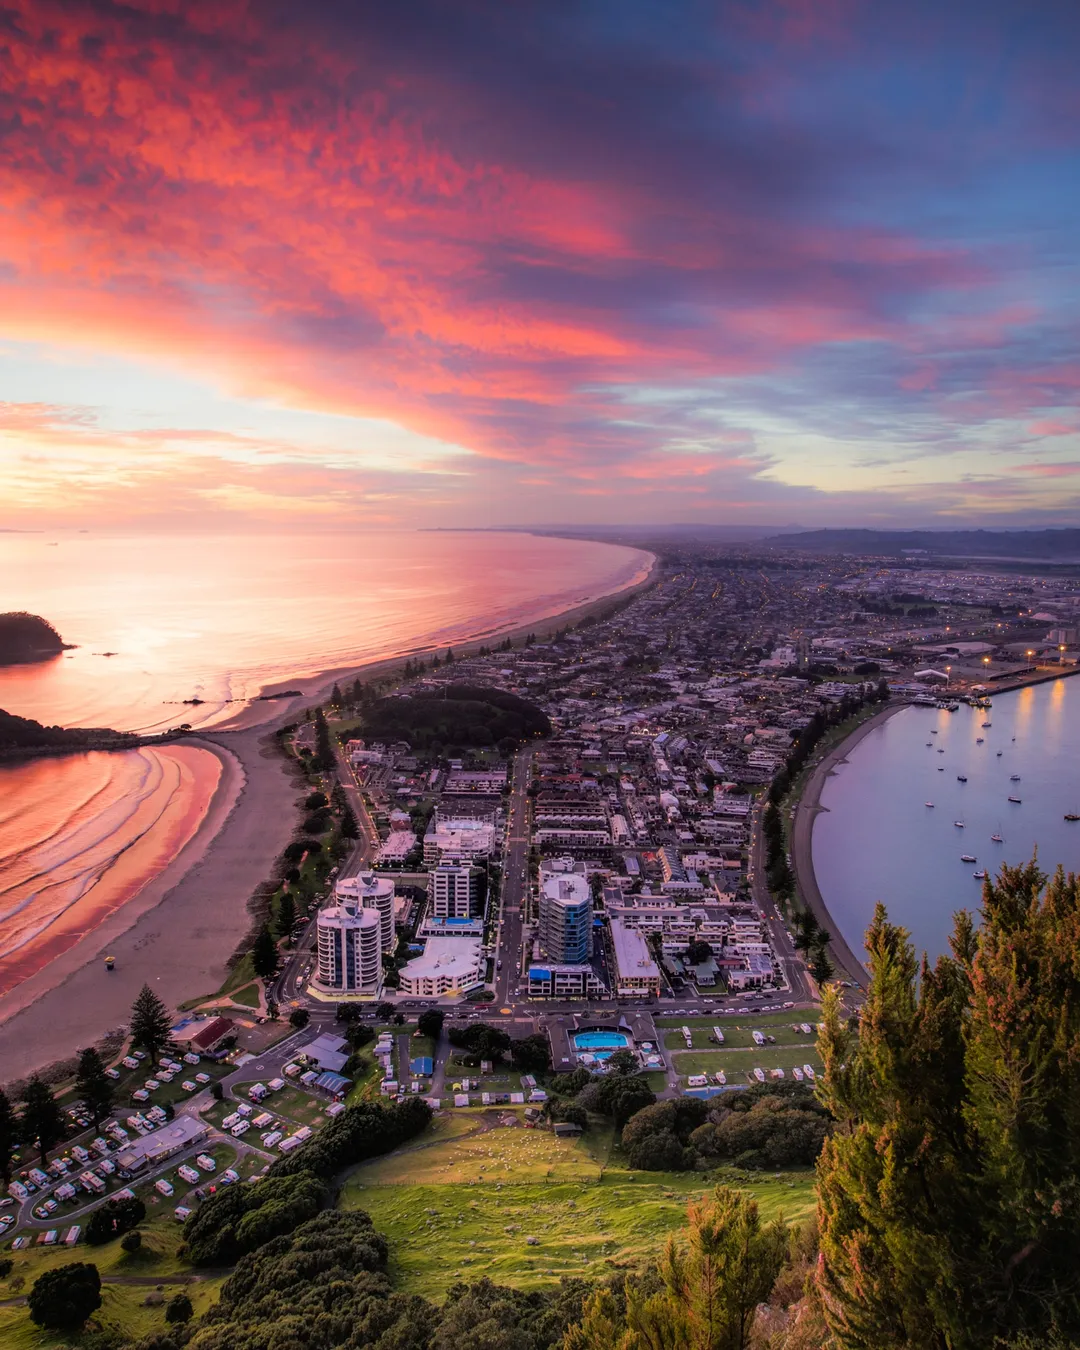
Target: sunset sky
(748, 261)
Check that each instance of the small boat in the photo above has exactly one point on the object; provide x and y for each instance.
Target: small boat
(1071, 815)
(979, 740)
(941, 768)
(1015, 799)
(979, 876)
(1000, 753)
(934, 732)
(1014, 778)
(988, 724)
(961, 777)
(929, 744)
(959, 824)
(968, 857)
(997, 839)
(941, 752)
(930, 804)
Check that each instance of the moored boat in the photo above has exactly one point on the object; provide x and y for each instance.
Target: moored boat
(997, 838)
(1071, 815)
(979, 876)
(968, 857)
(1015, 799)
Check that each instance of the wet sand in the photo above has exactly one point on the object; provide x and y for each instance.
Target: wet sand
(177, 933)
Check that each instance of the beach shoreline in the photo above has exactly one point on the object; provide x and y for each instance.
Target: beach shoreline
(266, 710)
(178, 932)
(807, 810)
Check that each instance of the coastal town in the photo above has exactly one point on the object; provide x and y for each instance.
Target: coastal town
(581, 856)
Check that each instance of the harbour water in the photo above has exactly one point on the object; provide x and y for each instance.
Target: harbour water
(878, 838)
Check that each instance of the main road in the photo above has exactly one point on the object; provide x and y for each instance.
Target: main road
(291, 979)
(513, 898)
(794, 970)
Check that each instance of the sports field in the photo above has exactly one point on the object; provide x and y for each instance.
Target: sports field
(466, 1200)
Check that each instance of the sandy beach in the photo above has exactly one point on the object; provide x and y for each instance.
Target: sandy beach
(802, 858)
(316, 688)
(178, 932)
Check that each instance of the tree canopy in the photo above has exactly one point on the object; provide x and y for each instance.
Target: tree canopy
(948, 1194)
(457, 715)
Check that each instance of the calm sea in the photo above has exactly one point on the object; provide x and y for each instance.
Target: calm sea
(157, 620)
(217, 619)
(879, 840)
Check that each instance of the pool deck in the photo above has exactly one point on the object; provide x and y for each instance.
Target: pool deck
(638, 1026)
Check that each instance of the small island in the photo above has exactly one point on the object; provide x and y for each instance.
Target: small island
(28, 637)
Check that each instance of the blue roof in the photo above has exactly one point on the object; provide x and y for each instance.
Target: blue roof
(422, 1066)
(333, 1082)
(538, 973)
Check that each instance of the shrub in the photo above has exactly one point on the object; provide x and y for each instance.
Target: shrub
(179, 1309)
(131, 1242)
(62, 1299)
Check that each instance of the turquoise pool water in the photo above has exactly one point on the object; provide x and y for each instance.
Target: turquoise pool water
(600, 1043)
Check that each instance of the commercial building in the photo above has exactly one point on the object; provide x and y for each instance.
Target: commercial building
(449, 965)
(548, 980)
(636, 973)
(565, 915)
(459, 837)
(453, 888)
(175, 1136)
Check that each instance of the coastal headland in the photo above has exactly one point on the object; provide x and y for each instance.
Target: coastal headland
(807, 810)
(179, 931)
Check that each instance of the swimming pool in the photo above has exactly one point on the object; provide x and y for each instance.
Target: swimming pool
(599, 1044)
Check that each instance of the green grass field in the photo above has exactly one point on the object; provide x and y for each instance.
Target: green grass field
(462, 1203)
(738, 1036)
(137, 1275)
(738, 1063)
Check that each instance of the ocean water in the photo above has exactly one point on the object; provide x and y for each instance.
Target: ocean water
(219, 619)
(157, 620)
(80, 835)
(878, 840)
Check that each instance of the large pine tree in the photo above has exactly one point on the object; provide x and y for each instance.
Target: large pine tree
(150, 1024)
(9, 1136)
(949, 1195)
(93, 1085)
(264, 954)
(42, 1121)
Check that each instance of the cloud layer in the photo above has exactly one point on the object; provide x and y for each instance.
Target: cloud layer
(748, 260)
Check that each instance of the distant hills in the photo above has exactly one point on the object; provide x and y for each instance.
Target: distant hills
(1061, 545)
(27, 637)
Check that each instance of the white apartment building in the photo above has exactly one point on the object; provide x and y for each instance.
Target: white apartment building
(452, 888)
(368, 891)
(462, 838)
(349, 949)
